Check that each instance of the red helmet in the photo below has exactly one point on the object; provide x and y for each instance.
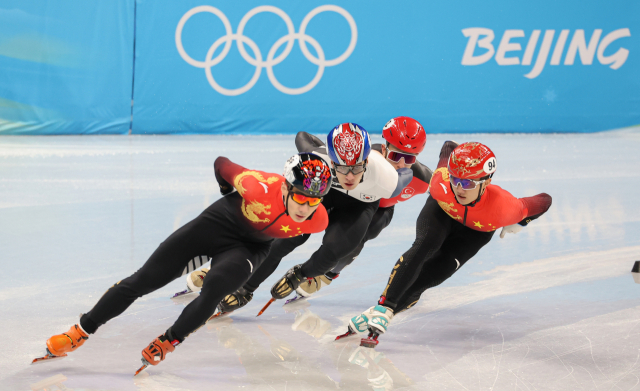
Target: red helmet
(472, 161)
(406, 134)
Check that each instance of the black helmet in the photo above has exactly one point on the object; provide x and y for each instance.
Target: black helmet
(309, 174)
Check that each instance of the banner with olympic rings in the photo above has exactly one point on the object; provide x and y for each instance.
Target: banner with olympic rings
(205, 66)
(284, 66)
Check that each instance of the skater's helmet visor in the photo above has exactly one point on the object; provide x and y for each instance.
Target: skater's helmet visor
(355, 169)
(466, 184)
(395, 156)
(302, 199)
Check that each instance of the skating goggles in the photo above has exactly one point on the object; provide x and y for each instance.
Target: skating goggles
(302, 199)
(395, 156)
(467, 184)
(345, 170)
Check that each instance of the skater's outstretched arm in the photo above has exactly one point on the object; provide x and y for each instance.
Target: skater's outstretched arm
(251, 184)
(445, 152)
(306, 142)
(536, 207)
(226, 171)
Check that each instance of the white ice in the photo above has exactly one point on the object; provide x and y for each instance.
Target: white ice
(554, 307)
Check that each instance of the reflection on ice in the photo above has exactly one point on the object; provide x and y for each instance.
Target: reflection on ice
(280, 360)
(552, 308)
(50, 384)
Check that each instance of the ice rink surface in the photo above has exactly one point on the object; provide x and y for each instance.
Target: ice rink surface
(554, 307)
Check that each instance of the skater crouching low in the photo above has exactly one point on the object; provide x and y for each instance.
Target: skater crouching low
(362, 178)
(236, 232)
(458, 219)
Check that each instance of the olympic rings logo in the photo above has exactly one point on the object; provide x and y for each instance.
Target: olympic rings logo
(270, 62)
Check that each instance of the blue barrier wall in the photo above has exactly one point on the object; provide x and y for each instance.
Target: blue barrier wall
(65, 66)
(284, 66)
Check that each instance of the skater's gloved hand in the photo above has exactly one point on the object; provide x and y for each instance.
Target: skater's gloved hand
(312, 285)
(360, 323)
(225, 187)
(288, 283)
(510, 229)
(380, 318)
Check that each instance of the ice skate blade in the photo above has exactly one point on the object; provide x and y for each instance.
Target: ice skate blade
(144, 366)
(48, 357)
(182, 293)
(345, 335)
(294, 299)
(266, 306)
(218, 315)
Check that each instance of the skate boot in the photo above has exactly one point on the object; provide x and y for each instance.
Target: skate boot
(358, 324)
(196, 279)
(378, 324)
(233, 301)
(312, 285)
(157, 351)
(61, 344)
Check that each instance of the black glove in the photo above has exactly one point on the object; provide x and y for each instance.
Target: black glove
(287, 284)
(225, 187)
(447, 148)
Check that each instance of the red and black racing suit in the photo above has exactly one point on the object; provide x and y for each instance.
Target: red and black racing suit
(236, 232)
(448, 234)
(349, 219)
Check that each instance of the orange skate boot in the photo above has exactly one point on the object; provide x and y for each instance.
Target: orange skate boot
(157, 351)
(59, 345)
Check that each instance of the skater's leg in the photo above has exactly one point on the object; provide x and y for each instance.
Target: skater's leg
(279, 249)
(165, 264)
(432, 228)
(457, 249)
(380, 220)
(346, 229)
(229, 271)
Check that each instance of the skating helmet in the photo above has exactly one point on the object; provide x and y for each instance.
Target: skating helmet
(472, 161)
(348, 144)
(406, 134)
(309, 174)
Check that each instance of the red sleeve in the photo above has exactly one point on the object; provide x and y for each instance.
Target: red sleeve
(445, 151)
(536, 206)
(226, 171)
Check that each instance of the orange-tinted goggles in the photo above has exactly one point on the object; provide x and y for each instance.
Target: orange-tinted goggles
(302, 199)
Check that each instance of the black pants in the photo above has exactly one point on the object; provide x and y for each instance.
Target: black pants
(233, 258)
(441, 247)
(348, 223)
(381, 220)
